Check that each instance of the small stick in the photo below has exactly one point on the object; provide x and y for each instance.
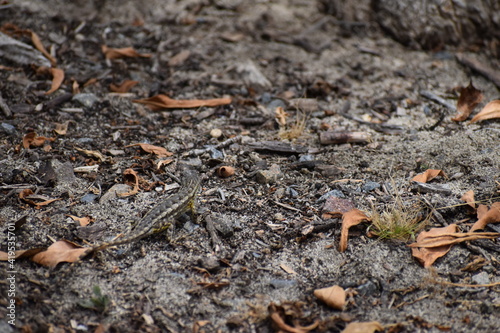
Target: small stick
(435, 98)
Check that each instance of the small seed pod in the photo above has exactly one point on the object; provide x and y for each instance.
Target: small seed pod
(225, 171)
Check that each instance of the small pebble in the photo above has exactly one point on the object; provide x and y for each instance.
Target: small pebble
(215, 133)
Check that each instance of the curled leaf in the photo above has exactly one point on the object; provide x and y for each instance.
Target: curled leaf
(469, 98)
(124, 87)
(491, 216)
(427, 256)
(490, 111)
(33, 140)
(349, 219)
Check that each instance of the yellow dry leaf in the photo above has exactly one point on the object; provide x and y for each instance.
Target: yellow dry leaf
(490, 111)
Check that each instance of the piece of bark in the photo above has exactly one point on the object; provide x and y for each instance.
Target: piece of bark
(278, 147)
(334, 137)
(481, 68)
(20, 53)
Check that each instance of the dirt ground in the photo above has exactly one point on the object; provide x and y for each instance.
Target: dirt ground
(261, 240)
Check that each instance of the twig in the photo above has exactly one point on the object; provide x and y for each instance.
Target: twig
(435, 98)
(5, 108)
(211, 147)
(484, 70)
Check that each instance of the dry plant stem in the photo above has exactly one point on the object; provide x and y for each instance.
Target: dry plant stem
(435, 98)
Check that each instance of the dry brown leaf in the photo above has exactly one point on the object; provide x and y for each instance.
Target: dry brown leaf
(57, 79)
(490, 111)
(349, 219)
(289, 310)
(481, 211)
(453, 238)
(428, 175)
(60, 251)
(427, 256)
(366, 327)
(160, 102)
(33, 140)
(280, 115)
(20, 254)
(333, 296)
(468, 197)
(124, 87)
(132, 178)
(83, 221)
(159, 151)
(179, 58)
(288, 269)
(469, 98)
(126, 52)
(39, 46)
(491, 216)
(62, 128)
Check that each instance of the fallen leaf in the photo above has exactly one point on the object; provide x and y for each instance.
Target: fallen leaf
(60, 251)
(481, 211)
(179, 58)
(39, 46)
(280, 115)
(468, 197)
(20, 254)
(289, 309)
(33, 140)
(126, 52)
(349, 219)
(124, 87)
(490, 111)
(333, 296)
(131, 177)
(83, 221)
(366, 327)
(159, 151)
(428, 175)
(62, 128)
(491, 216)
(160, 102)
(288, 269)
(427, 256)
(469, 98)
(436, 242)
(57, 79)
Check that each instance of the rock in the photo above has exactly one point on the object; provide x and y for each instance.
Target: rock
(86, 100)
(481, 278)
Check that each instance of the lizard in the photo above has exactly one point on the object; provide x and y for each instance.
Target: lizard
(161, 216)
